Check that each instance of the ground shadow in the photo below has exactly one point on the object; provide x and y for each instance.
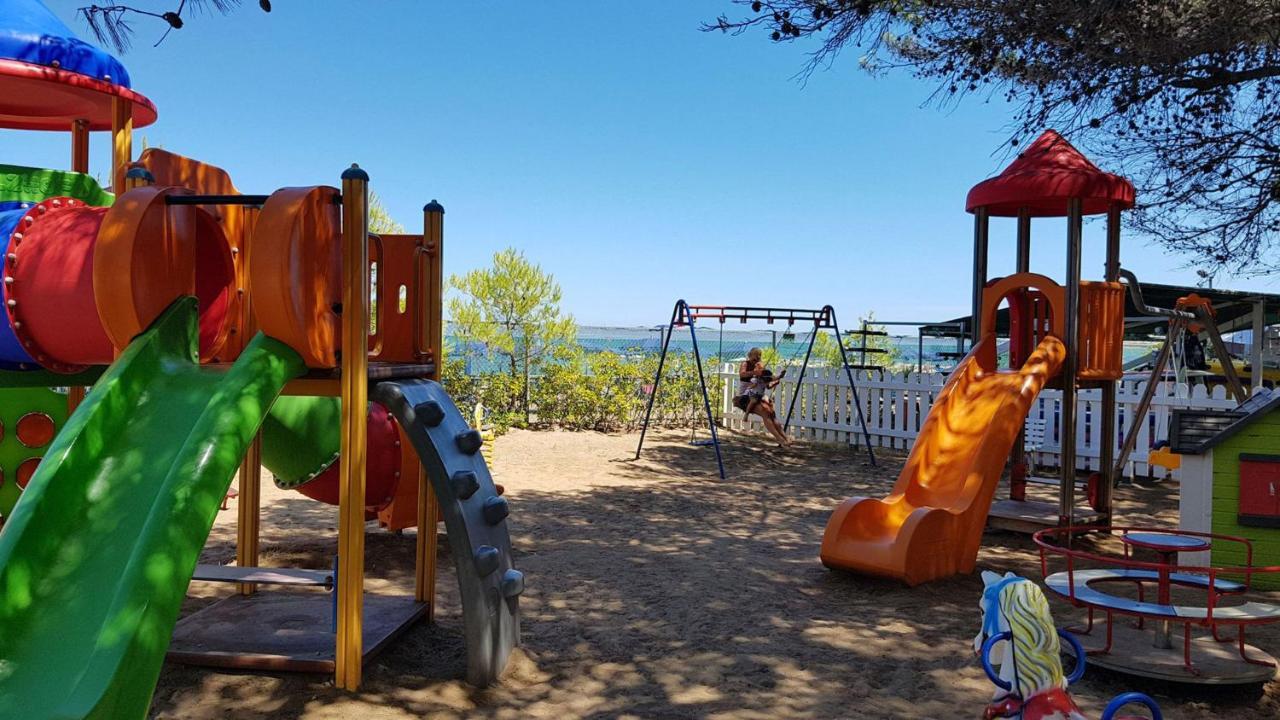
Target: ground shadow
(659, 590)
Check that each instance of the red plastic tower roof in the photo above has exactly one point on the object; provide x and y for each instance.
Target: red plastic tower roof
(33, 97)
(1044, 177)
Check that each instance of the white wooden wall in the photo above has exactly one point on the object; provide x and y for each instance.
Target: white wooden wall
(895, 406)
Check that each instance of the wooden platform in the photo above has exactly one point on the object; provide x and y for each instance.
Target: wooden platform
(1029, 516)
(322, 382)
(1132, 653)
(284, 630)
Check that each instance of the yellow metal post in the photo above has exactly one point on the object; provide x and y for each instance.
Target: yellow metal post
(121, 140)
(355, 393)
(432, 309)
(433, 293)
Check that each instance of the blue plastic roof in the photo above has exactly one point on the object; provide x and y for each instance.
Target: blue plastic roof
(31, 33)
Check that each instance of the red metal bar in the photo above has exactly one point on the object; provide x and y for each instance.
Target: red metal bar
(1087, 629)
(1243, 655)
(1040, 539)
(1186, 649)
(1142, 597)
(1106, 648)
(744, 313)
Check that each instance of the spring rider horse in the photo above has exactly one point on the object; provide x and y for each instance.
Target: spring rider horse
(1018, 636)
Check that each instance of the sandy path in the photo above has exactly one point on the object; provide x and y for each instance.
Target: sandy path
(656, 590)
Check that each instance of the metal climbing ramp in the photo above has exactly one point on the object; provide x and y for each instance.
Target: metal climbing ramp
(474, 516)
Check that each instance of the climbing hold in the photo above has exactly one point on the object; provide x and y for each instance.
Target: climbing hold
(469, 442)
(26, 470)
(512, 583)
(429, 412)
(495, 510)
(486, 559)
(465, 484)
(36, 429)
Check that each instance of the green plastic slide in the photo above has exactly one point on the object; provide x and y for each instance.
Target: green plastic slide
(96, 558)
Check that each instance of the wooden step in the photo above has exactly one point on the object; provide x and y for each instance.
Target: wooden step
(1054, 481)
(264, 576)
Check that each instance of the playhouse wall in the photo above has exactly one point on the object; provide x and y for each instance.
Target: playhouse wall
(1195, 501)
(1262, 436)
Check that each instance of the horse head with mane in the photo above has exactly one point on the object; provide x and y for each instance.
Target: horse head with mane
(1019, 638)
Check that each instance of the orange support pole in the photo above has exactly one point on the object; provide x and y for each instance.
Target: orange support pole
(80, 146)
(121, 140)
(428, 542)
(349, 653)
(249, 511)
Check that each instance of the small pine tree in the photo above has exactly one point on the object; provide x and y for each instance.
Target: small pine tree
(513, 310)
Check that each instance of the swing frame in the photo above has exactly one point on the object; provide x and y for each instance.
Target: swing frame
(686, 315)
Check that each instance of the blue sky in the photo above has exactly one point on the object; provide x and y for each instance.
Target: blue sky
(631, 155)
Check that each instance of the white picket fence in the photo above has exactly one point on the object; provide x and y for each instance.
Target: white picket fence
(895, 406)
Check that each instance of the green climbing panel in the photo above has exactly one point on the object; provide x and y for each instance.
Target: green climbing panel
(29, 418)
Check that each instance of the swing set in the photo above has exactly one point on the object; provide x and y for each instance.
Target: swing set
(686, 315)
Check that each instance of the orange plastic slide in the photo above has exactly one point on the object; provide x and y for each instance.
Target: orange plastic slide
(931, 524)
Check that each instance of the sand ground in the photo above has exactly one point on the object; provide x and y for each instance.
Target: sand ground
(657, 590)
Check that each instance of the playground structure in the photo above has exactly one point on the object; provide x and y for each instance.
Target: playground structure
(190, 308)
(1148, 650)
(1019, 648)
(931, 525)
(686, 315)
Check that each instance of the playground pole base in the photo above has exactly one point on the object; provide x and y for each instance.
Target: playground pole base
(284, 631)
(1132, 653)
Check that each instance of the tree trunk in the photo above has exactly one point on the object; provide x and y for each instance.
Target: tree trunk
(515, 375)
(526, 383)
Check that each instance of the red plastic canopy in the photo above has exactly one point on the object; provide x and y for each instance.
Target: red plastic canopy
(43, 98)
(1044, 177)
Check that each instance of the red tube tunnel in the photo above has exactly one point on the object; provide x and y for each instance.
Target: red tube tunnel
(53, 306)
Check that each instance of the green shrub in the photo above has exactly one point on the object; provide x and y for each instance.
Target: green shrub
(499, 393)
(603, 391)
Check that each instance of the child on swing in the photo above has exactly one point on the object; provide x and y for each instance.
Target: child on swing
(754, 381)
